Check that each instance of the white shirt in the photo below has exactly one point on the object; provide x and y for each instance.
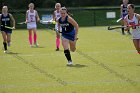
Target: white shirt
(57, 15)
(31, 16)
(136, 29)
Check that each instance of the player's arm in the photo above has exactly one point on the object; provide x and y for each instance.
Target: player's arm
(13, 20)
(26, 17)
(121, 8)
(37, 17)
(138, 17)
(58, 26)
(74, 23)
(54, 19)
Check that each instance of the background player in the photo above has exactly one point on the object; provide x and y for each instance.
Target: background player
(56, 16)
(31, 18)
(6, 19)
(133, 19)
(123, 14)
(69, 33)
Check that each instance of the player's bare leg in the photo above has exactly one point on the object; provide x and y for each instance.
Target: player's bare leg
(137, 45)
(65, 44)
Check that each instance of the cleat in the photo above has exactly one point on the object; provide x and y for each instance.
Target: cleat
(37, 45)
(31, 46)
(69, 63)
(6, 51)
(57, 49)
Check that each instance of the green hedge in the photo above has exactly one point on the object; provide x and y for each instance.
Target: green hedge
(84, 16)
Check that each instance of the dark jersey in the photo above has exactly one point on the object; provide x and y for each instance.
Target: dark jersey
(5, 21)
(65, 25)
(124, 10)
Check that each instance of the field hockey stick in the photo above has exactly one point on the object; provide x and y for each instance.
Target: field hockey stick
(53, 29)
(47, 22)
(118, 27)
(8, 27)
(21, 23)
(119, 20)
(41, 21)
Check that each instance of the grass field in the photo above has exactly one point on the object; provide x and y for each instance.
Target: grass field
(105, 62)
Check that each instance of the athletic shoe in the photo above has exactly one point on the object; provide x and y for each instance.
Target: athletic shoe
(37, 45)
(6, 51)
(69, 63)
(31, 45)
(57, 49)
(138, 52)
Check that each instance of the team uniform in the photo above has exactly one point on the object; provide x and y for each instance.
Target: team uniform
(124, 11)
(68, 30)
(6, 21)
(57, 16)
(136, 29)
(31, 19)
(123, 14)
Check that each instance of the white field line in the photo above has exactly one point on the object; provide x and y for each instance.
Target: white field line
(61, 54)
(88, 83)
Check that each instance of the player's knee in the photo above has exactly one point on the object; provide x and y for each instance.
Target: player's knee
(73, 49)
(57, 36)
(4, 40)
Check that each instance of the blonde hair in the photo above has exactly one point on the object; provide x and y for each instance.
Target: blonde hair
(31, 4)
(57, 4)
(4, 7)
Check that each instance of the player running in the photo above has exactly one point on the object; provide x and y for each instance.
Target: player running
(123, 14)
(69, 33)
(6, 20)
(133, 19)
(31, 18)
(56, 16)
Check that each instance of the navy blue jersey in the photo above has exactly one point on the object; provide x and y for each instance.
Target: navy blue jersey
(5, 21)
(124, 11)
(68, 30)
(65, 25)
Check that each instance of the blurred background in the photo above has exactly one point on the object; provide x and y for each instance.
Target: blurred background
(86, 13)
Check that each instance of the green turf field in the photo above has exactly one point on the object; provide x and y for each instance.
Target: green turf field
(105, 62)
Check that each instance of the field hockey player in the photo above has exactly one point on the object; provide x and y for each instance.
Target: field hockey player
(6, 20)
(69, 33)
(31, 18)
(133, 19)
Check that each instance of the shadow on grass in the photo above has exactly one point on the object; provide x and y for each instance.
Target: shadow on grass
(13, 53)
(77, 66)
(138, 65)
(37, 47)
